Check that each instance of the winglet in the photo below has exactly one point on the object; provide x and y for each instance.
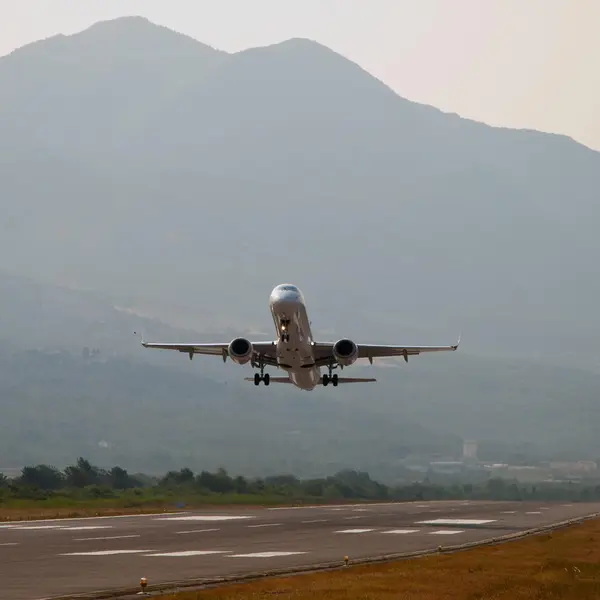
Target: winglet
(141, 334)
(458, 341)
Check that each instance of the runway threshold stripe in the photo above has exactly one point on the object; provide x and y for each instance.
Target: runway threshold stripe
(400, 531)
(105, 552)
(207, 518)
(316, 521)
(265, 525)
(196, 531)
(456, 522)
(446, 532)
(264, 554)
(112, 537)
(87, 527)
(14, 523)
(354, 530)
(189, 553)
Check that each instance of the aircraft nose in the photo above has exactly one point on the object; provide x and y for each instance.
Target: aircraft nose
(283, 299)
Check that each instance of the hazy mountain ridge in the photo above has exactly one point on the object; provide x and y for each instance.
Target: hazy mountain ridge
(466, 224)
(182, 182)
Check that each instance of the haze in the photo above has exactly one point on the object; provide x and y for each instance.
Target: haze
(504, 62)
(165, 178)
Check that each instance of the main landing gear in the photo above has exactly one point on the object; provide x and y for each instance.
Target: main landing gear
(262, 376)
(332, 378)
(329, 377)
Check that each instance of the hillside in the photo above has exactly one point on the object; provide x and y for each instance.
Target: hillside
(150, 182)
(57, 405)
(146, 165)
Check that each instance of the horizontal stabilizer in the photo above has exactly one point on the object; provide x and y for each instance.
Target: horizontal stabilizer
(352, 380)
(272, 379)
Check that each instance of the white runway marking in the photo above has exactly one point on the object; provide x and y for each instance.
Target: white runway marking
(355, 530)
(456, 522)
(105, 552)
(266, 525)
(316, 521)
(196, 531)
(533, 512)
(35, 527)
(32, 521)
(264, 554)
(401, 531)
(206, 518)
(112, 537)
(332, 506)
(446, 532)
(84, 527)
(10, 544)
(361, 510)
(509, 512)
(351, 518)
(189, 553)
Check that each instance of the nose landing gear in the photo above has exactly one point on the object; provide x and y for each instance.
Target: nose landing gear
(284, 336)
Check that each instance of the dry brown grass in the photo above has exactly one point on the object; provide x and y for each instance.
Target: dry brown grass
(564, 565)
(70, 512)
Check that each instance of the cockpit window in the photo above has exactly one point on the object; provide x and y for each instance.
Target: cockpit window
(288, 288)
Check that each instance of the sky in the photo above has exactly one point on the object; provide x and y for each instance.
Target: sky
(514, 63)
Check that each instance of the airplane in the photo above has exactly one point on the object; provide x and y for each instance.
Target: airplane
(295, 350)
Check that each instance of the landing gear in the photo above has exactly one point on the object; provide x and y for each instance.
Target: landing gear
(329, 377)
(285, 336)
(262, 376)
(332, 378)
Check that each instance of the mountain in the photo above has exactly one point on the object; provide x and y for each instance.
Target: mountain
(74, 381)
(150, 182)
(138, 162)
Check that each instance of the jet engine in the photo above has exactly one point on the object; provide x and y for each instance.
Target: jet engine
(345, 352)
(240, 350)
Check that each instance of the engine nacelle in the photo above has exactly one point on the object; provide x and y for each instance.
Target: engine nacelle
(240, 350)
(345, 352)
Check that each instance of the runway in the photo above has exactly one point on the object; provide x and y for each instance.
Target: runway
(44, 559)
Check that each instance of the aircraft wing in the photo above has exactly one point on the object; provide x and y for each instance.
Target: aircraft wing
(324, 351)
(264, 349)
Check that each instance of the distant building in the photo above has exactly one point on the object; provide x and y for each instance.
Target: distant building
(580, 466)
(470, 449)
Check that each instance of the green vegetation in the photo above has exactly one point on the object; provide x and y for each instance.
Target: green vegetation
(84, 485)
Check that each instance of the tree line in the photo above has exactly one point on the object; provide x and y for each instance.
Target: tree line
(86, 481)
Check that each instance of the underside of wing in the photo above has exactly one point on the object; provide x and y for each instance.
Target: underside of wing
(324, 351)
(377, 351)
(264, 350)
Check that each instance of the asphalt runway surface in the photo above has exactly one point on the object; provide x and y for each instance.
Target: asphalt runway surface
(44, 559)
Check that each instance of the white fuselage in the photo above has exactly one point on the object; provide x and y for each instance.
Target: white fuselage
(294, 349)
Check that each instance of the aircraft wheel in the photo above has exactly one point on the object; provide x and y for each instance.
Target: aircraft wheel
(325, 380)
(334, 380)
(267, 379)
(256, 379)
